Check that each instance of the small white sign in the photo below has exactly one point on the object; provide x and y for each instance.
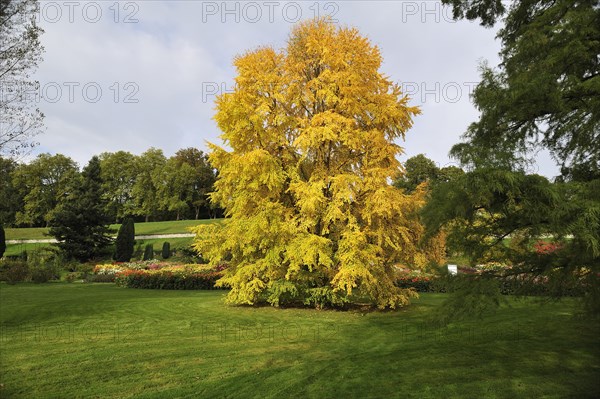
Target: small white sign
(453, 270)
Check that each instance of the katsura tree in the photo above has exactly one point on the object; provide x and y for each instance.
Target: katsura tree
(311, 214)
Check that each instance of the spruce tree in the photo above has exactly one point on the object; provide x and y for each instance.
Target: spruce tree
(80, 224)
(125, 242)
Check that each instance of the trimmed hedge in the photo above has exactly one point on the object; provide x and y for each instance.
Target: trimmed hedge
(167, 280)
(419, 284)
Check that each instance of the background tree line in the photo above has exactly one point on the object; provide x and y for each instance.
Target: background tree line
(147, 187)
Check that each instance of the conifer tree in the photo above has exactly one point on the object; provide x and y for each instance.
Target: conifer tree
(125, 242)
(166, 250)
(80, 224)
(148, 252)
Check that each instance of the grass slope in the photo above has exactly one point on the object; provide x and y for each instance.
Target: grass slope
(150, 228)
(98, 340)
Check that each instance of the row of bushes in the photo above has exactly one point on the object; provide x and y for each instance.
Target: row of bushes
(17, 271)
(507, 286)
(167, 279)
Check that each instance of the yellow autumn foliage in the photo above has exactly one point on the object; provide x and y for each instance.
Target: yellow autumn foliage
(305, 185)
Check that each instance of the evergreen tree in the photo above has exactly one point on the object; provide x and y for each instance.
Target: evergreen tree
(544, 94)
(125, 241)
(166, 250)
(148, 252)
(80, 223)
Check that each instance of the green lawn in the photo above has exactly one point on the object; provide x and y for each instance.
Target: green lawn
(16, 249)
(169, 227)
(98, 340)
(157, 243)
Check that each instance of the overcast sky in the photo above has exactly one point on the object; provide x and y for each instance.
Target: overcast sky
(134, 74)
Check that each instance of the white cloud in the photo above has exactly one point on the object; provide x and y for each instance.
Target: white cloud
(180, 52)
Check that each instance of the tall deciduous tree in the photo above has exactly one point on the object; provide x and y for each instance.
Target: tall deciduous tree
(80, 224)
(43, 183)
(145, 189)
(11, 200)
(20, 54)
(174, 184)
(119, 172)
(312, 216)
(418, 169)
(204, 178)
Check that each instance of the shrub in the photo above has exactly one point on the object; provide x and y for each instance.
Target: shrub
(15, 271)
(71, 277)
(148, 252)
(84, 270)
(166, 250)
(44, 265)
(189, 254)
(41, 274)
